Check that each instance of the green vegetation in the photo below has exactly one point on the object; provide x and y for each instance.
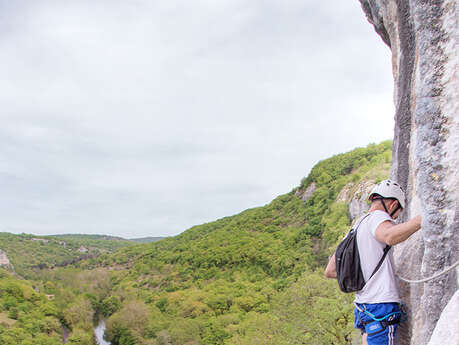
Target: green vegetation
(252, 278)
(26, 317)
(230, 281)
(29, 254)
(311, 311)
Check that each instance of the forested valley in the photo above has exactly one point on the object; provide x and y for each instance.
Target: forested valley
(249, 279)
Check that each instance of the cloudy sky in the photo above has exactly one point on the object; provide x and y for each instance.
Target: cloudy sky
(145, 117)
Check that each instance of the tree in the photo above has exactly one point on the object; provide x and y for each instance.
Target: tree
(130, 321)
(110, 305)
(79, 314)
(80, 337)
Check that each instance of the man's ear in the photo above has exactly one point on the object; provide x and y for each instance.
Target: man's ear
(394, 204)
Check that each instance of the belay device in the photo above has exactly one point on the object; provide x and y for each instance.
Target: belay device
(348, 269)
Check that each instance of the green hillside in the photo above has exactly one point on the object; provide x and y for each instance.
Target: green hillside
(252, 278)
(29, 253)
(27, 317)
(226, 281)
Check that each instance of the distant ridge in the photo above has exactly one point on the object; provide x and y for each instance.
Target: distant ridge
(29, 254)
(146, 239)
(86, 236)
(107, 238)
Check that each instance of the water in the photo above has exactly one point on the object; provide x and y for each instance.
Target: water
(99, 331)
(66, 333)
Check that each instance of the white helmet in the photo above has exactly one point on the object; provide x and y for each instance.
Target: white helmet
(389, 190)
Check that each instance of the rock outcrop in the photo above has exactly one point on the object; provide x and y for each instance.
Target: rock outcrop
(445, 330)
(356, 196)
(306, 195)
(4, 261)
(423, 37)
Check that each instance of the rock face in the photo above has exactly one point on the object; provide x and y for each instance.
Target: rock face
(4, 261)
(423, 37)
(445, 329)
(357, 197)
(307, 193)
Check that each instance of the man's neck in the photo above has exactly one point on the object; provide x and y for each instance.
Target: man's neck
(376, 207)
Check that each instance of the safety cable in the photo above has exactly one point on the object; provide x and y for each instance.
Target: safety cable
(447, 269)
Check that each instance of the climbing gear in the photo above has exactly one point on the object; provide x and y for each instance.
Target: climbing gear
(348, 269)
(378, 325)
(388, 189)
(446, 270)
(380, 332)
(375, 327)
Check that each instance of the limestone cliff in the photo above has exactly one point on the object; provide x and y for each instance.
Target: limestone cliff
(306, 194)
(423, 38)
(4, 261)
(356, 196)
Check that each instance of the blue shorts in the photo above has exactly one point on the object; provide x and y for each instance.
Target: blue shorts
(379, 333)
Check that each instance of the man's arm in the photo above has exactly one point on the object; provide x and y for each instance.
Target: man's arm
(330, 271)
(392, 234)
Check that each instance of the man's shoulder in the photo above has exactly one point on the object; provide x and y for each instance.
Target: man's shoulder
(379, 214)
(376, 218)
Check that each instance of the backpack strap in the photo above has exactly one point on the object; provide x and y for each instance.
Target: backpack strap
(360, 222)
(386, 250)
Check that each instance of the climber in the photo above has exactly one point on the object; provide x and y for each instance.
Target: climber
(377, 306)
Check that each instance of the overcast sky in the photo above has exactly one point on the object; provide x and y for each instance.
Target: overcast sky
(143, 118)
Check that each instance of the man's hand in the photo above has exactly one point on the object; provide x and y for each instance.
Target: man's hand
(330, 271)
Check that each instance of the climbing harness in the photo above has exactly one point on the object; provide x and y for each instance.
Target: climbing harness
(378, 325)
(446, 270)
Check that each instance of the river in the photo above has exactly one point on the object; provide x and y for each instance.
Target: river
(99, 332)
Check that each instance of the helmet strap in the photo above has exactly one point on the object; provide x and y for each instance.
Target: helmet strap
(385, 207)
(394, 211)
(397, 208)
